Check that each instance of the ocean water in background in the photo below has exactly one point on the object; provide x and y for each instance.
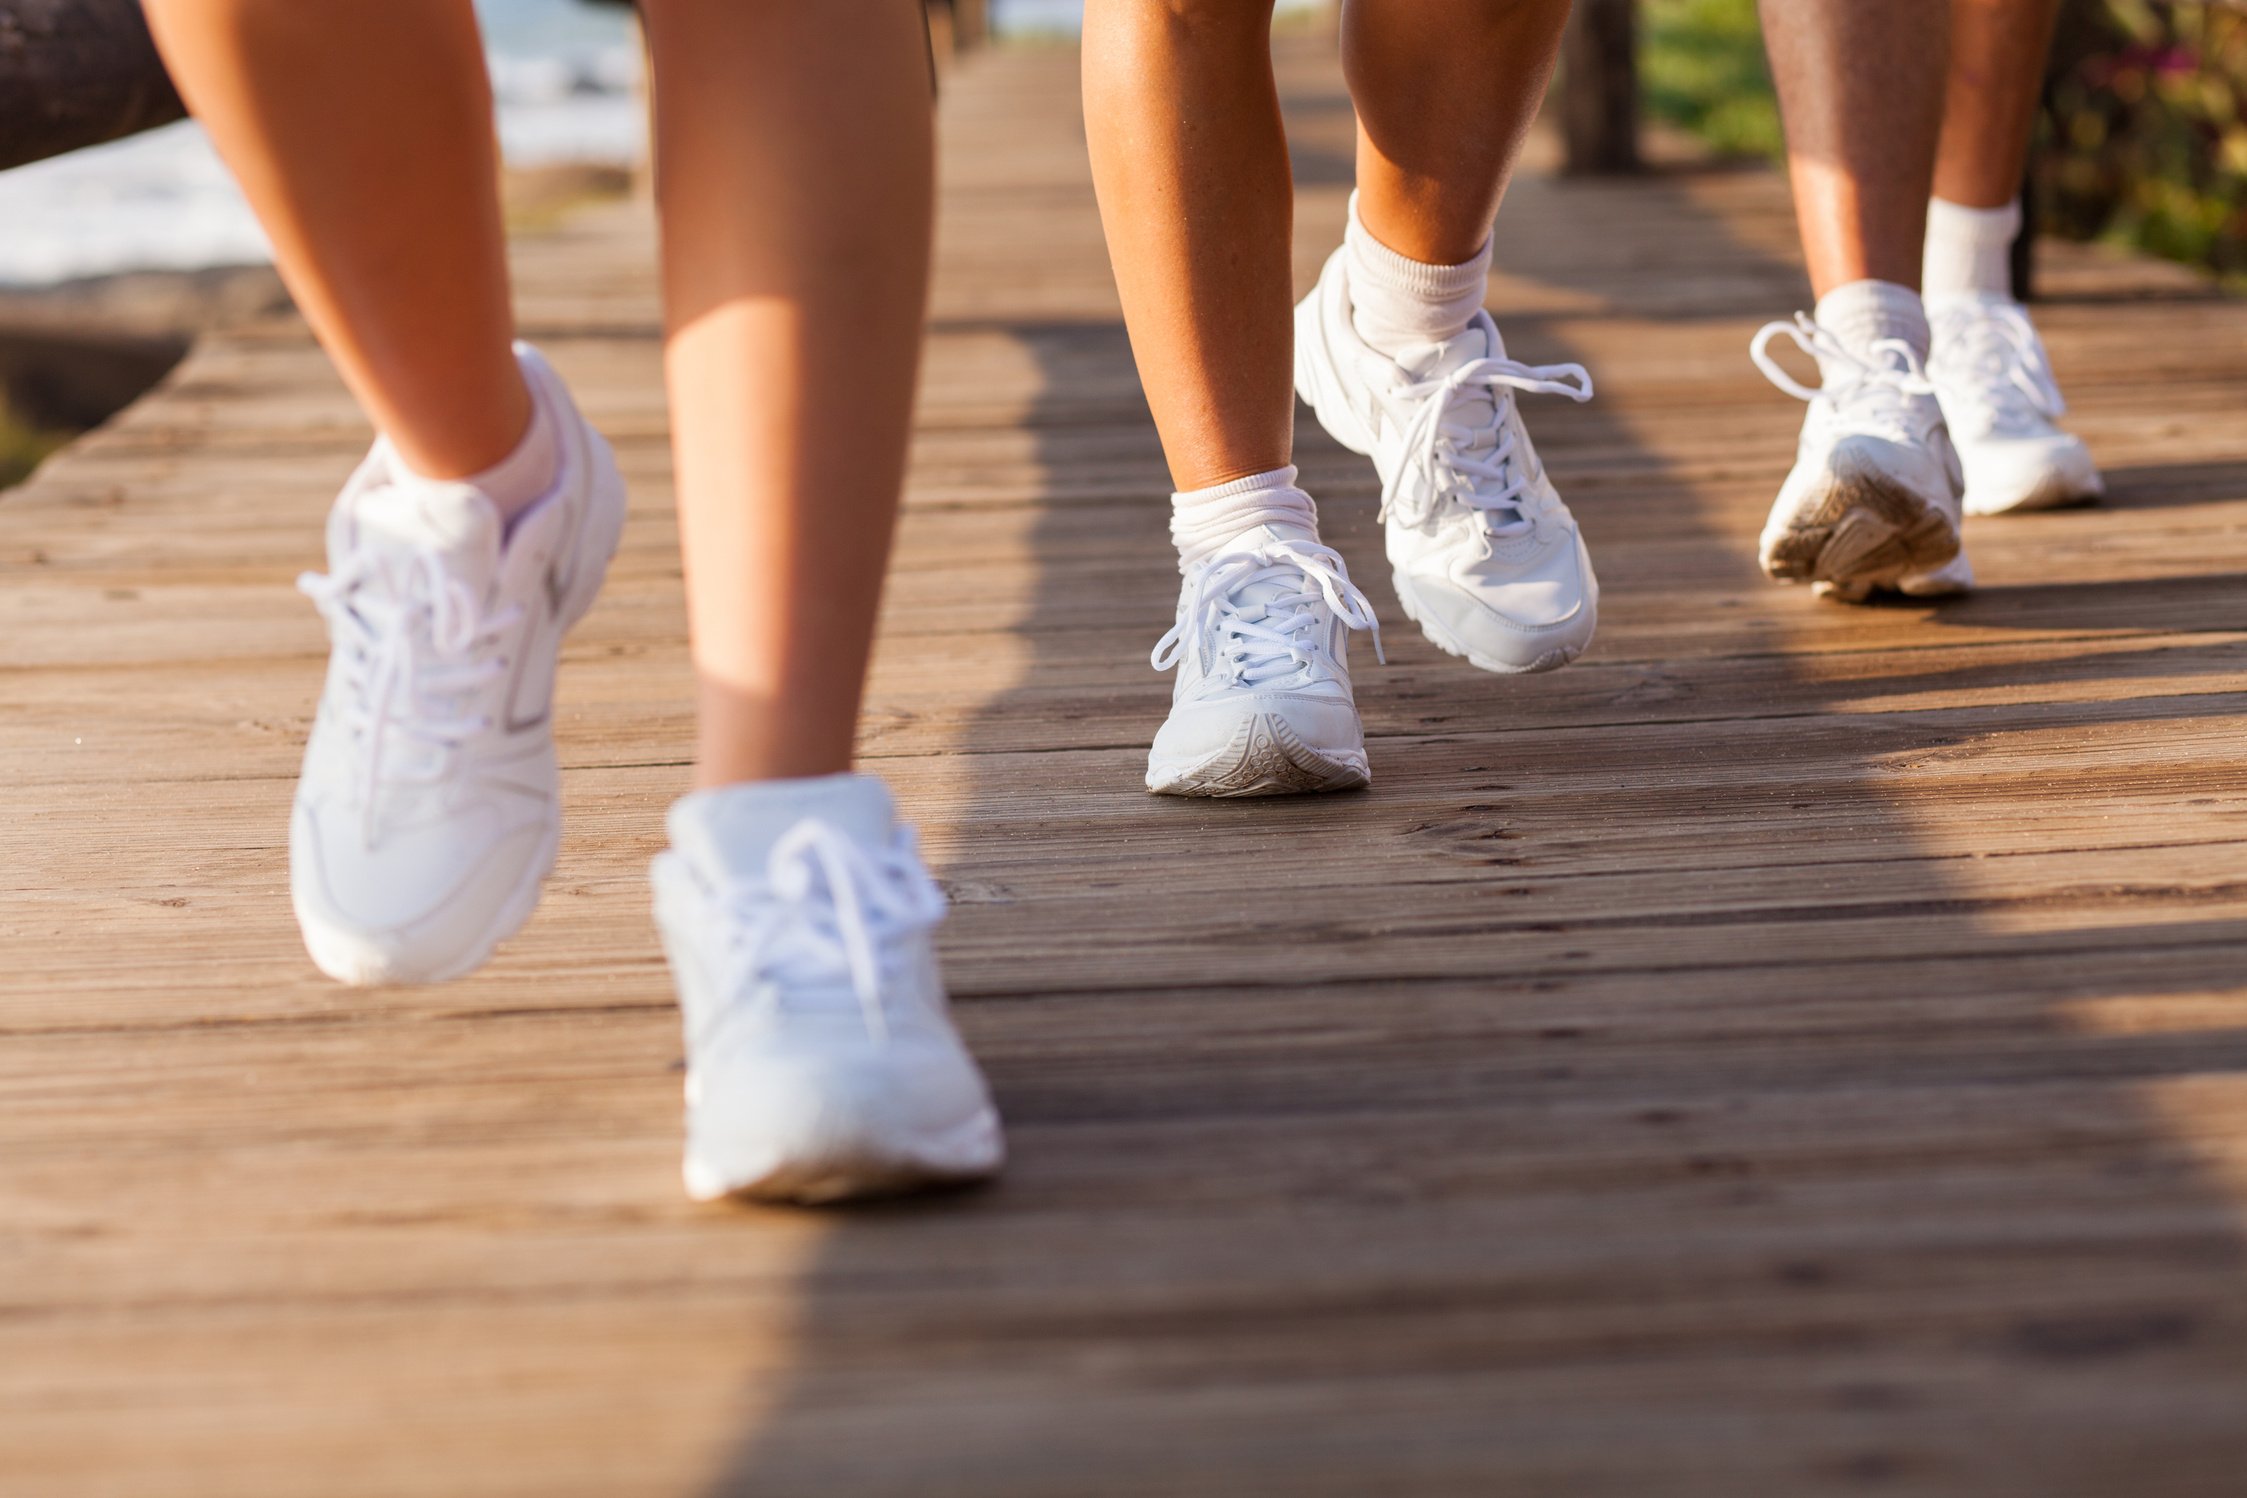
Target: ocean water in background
(565, 76)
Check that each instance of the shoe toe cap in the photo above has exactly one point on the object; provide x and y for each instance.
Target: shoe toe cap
(411, 904)
(2030, 472)
(1326, 721)
(853, 1110)
(1514, 612)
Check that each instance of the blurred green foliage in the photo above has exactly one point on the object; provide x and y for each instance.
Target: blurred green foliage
(2144, 139)
(1701, 68)
(23, 447)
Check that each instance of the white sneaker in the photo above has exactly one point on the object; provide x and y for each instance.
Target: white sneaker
(1262, 704)
(1873, 500)
(428, 812)
(821, 1058)
(1487, 559)
(2003, 406)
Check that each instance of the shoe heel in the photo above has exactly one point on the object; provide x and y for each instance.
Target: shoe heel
(604, 529)
(1332, 411)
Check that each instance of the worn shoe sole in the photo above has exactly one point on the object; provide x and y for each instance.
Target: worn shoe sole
(862, 1168)
(1863, 528)
(1266, 757)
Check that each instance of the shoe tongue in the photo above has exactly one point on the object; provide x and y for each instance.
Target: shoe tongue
(728, 832)
(1432, 361)
(1266, 535)
(1839, 372)
(1427, 361)
(1862, 401)
(453, 522)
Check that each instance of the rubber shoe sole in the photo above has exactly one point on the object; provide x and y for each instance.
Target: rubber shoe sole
(1864, 529)
(862, 1168)
(1266, 757)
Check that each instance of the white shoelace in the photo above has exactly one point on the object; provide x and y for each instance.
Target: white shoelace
(1994, 371)
(826, 905)
(1267, 641)
(410, 652)
(1877, 393)
(1442, 456)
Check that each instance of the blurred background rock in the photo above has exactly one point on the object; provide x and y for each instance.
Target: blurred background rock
(113, 257)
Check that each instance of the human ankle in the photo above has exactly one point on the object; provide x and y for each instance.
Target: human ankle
(785, 728)
(1203, 520)
(1969, 251)
(1396, 302)
(517, 482)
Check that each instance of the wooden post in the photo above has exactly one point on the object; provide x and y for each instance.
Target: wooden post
(76, 73)
(955, 28)
(971, 24)
(1599, 87)
(2022, 259)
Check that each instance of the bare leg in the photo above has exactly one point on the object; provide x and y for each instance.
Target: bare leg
(1998, 50)
(1444, 95)
(1190, 161)
(796, 181)
(1861, 89)
(385, 219)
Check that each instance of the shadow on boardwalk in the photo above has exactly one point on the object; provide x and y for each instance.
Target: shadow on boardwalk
(1788, 1052)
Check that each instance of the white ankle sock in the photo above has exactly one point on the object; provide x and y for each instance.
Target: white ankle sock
(517, 482)
(1860, 313)
(1202, 520)
(1395, 302)
(1969, 250)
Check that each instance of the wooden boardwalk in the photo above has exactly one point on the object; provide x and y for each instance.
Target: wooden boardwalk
(1797, 1050)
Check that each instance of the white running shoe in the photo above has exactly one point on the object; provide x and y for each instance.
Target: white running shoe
(1487, 559)
(821, 1058)
(428, 812)
(1262, 704)
(2003, 408)
(1873, 500)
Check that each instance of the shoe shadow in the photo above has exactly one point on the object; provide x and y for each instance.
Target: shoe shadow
(2161, 486)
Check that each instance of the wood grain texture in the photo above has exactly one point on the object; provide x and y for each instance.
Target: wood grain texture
(1797, 1050)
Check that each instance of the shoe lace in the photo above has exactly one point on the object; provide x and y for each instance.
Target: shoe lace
(413, 642)
(1879, 383)
(828, 905)
(1993, 367)
(1275, 637)
(1442, 456)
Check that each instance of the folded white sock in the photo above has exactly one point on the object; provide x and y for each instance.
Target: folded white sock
(1203, 520)
(1861, 313)
(517, 482)
(1969, 250)
(1396, 303)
